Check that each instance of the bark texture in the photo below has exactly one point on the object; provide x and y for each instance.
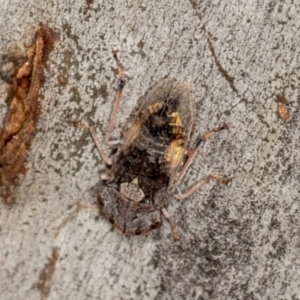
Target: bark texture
(238, 242)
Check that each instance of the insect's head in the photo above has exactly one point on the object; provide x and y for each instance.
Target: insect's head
(131, 217)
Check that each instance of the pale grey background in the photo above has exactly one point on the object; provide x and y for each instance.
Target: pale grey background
(238, 242)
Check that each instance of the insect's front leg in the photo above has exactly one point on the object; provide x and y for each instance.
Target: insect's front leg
(108, 142)
(93, 133)
(172, 224)
(121, 85)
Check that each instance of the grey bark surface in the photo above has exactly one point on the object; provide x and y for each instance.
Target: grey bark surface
(237, 242)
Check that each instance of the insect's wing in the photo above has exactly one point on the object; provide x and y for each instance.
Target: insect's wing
(162, 125)
(164, 91)
(183, 120)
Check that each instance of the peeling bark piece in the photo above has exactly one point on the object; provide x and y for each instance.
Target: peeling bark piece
(283, 112)
(20, 121)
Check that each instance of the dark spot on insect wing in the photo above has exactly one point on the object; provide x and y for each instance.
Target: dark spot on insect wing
(138, 231)
(173, 104)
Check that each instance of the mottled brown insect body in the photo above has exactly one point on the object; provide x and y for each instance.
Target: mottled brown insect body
(151, 158)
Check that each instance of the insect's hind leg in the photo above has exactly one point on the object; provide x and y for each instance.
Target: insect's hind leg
(200, 184)
(121, 85)
(172, 224)
(192, 153)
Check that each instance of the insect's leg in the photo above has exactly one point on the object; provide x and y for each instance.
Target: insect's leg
(121, 85)
(113, 144)
(192, 153)
(200, 184)
(172, 224)
(92, 131)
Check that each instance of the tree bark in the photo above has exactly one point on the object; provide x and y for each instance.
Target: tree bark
(239, 241)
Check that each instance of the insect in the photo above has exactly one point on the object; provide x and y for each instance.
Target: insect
(151, 157)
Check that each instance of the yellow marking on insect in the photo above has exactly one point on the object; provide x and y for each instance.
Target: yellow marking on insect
(164, 138)
(157, 151)
(155, 107)
(150, 110)
(174, 154)
(176, 120)
(177, 128)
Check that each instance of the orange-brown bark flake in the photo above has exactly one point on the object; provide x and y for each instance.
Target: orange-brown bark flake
(20, 121)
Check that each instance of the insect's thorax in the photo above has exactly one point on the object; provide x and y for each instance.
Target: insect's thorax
(151, 150)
